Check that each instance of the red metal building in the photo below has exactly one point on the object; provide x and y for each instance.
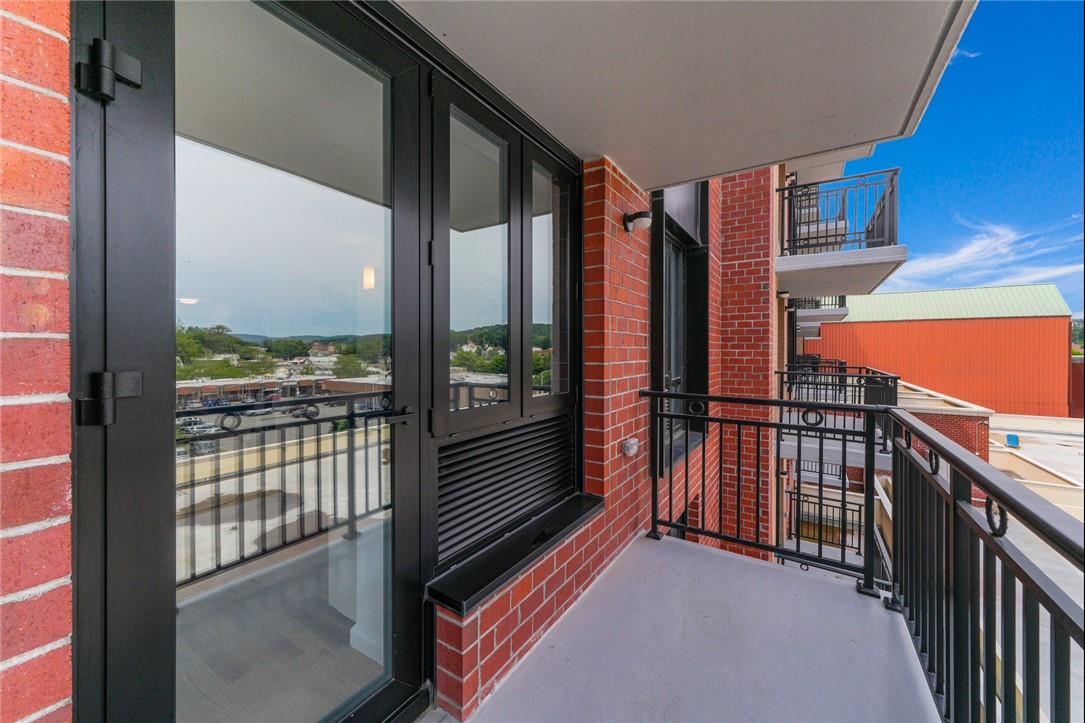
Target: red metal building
(1007, 348)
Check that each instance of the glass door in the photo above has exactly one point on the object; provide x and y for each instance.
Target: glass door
(282, 146)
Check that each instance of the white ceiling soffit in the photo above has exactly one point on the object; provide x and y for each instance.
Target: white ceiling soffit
(678, 91)
(250, 84)
(826, 166)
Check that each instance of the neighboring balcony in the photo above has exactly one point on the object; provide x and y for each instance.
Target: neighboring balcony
(839, 237)
(811, 312)
(829, 438)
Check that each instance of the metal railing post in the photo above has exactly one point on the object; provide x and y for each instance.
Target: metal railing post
(352, 514)
(866, 584)
(893, 602)
(656, 456)
(960, 592)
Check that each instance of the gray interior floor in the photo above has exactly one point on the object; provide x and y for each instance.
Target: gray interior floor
(675, 631)
(268, 648)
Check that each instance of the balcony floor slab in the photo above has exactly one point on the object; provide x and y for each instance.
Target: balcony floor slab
(676, 631)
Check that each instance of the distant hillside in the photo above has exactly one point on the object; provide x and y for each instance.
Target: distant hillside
(261, 339)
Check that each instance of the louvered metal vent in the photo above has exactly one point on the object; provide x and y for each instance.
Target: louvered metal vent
(486, 484)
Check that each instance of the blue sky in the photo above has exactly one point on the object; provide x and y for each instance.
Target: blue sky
(991, 183)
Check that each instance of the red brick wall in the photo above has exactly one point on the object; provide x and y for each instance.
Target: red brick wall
(35, 431)
(748, 341)
(475, 652)
(970, 431)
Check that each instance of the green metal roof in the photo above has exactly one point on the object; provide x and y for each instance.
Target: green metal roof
(985, 302)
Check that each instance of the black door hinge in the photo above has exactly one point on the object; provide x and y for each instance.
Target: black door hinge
(107, 65)
(99, 407)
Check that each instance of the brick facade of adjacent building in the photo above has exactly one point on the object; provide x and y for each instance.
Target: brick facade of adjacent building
(35, 414)
(971, 431)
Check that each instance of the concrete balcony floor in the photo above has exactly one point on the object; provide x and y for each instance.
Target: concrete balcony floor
(675, 631)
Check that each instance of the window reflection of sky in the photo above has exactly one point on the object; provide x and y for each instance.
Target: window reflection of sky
(266, 252)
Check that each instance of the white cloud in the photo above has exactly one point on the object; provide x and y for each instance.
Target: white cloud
(1040, 274)
(999, 254)
(965, 54)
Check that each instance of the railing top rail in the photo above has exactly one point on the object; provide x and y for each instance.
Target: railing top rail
(832, 372)
(888, 172)
(764, 401)
(1054, 526)
(287, 402)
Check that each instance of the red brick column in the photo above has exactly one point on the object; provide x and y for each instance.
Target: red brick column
(35, 428)
(748, 344)
(476, 651)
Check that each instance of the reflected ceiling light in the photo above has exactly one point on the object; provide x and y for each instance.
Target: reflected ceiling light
(637, 220)
(187, 301)
(369, 278)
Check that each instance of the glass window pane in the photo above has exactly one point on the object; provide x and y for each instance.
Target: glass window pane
(549, 283)
(284, 238)
(478, 266)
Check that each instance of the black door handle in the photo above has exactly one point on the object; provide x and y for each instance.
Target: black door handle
(403, 417)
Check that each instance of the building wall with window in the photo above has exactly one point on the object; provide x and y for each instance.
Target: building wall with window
(35, 431)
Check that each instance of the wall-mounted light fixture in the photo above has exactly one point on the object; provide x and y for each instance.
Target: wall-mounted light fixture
(369, 278)
(637, 220)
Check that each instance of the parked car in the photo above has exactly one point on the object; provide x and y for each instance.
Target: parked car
(203, 429)
(259, 412)
(309, 411)
(187, 422)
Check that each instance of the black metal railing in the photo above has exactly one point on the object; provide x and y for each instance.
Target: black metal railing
(839, 522)
(856, 212)
(817, 364)
(830, 470)
(253, 479)
(992, 628)
(967, 555)
(469, 395)
(764, 452)
(834, 382)
(819, 302)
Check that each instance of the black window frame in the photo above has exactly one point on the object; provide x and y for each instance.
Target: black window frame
(523, 152)
(446, 96)
(691, 245)
(565, 400)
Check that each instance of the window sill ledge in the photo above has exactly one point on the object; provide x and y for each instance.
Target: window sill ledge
(467, 584)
